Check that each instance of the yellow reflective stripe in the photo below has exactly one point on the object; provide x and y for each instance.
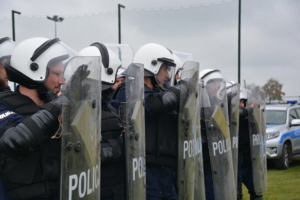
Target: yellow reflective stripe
(221, 121)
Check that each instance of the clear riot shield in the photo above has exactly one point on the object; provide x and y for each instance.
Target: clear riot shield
(257, 134)
(263, 139)
(233, 109)
(135, 133)
(219, 141)
(80, 149)
(190, 164)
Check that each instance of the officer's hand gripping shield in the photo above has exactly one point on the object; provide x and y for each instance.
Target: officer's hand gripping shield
(80, 149)
(135, 133)
(257, 134)
(233, 94)
(190, 162)
(219, 140)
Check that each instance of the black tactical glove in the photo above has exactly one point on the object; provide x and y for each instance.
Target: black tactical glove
(111, 150)
(32, 131)
(245, 112)
(75, 88)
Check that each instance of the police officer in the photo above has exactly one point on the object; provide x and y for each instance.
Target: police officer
(108, 93)
(112, 156)
(180, 58)
(161, 104)
(213, 96)
(120, 78)
(6, 48)
(244, 157)
(29, 131)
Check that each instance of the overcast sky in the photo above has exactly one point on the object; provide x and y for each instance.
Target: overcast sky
(208, 29)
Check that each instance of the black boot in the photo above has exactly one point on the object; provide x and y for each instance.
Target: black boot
(239, 194)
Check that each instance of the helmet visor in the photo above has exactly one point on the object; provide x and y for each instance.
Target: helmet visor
(165, 76)
(123, 51)
(7, 46)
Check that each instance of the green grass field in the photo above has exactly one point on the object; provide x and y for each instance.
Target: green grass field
(282, 184)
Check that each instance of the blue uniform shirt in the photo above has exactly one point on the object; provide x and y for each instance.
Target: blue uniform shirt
(159, 179)
(8, 116)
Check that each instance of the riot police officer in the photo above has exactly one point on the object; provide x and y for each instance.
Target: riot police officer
(120, 78)
(180, 58)
(217, 157)
(245, 170)
(190, 176)
(6, 48)
(161, 105)
(112, 150)
(29, 141)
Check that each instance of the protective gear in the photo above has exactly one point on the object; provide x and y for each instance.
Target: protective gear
(75, 82)
(34, 130)
(112, 156)
(113, 56)
(158, 63)
(164, 102)
(190, 169)
(161, 142)
(120, 72)
(7, 46)
(32, 61)
(245, 111)
(35, 174)
(180, 58)
(208, 75)
(257, 134)
(234, 116)
(218, 138)
(111, 153)
(239, 194)
(244, 95)
(135, 154)
(80, 152)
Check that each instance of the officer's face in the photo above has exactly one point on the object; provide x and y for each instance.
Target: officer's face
(3, 76)
(163, 75)
(242, 103)
(118, 81)
(213, 88)
(55, 78)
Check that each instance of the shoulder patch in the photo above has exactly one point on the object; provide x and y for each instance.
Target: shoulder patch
(6, 114)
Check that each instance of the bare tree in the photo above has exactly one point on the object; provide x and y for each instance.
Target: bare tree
(253, 86)
(273, 89)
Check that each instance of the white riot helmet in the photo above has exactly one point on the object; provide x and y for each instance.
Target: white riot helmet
(211, 78)
(208, 75)
(33, 58)
(180, 58)
(156, 58)
(243, 94)
(120, 72)
(7, 46)
(111, 55)
(229, 86)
